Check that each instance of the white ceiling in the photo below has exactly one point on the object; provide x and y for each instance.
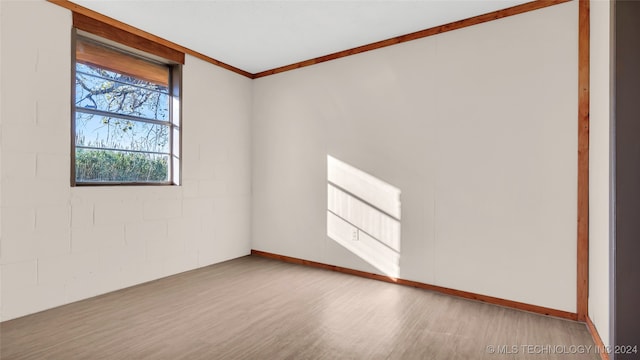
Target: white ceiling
(261, 35)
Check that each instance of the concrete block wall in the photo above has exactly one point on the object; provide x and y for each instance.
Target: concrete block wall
(60, 244)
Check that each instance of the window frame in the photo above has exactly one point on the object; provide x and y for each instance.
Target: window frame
(174, 123)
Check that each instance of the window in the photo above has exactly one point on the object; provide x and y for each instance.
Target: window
(126, 118)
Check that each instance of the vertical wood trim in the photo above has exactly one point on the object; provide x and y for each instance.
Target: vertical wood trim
(582, 292)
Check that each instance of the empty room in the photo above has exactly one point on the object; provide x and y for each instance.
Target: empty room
(423, 179)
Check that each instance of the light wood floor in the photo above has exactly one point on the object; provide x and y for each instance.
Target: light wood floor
(256, 308)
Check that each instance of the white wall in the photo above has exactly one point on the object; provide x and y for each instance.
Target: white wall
(1, 91)
(476, 127)
(60, 244)
(599, 166)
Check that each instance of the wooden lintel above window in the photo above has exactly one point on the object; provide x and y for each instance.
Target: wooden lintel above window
(123, 37)
(90, 53)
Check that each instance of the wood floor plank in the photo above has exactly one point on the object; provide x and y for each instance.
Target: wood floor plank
(257, 308)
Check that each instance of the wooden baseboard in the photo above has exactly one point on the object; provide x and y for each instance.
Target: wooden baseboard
(604, 355)
(416, 284)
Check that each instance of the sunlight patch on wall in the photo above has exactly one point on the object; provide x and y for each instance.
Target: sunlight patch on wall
(363, 215)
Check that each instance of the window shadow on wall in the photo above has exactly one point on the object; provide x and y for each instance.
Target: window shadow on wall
(363, 215)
